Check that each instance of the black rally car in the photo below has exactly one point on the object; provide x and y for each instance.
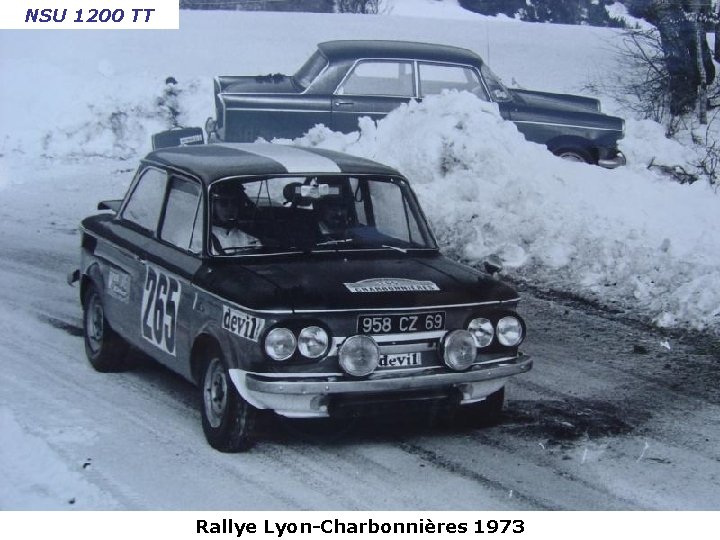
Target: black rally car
(302, 281)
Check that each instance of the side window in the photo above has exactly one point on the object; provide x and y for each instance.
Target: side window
(386, 200)
(143, 206)
(180, 213)
(197, 234)
(357, 191)
(380, 78)
(434, 78)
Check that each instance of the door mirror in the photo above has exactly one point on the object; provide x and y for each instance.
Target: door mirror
(113, 206)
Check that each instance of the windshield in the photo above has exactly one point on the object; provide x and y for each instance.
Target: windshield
(314, 213)
(498, 91)
(310, 69)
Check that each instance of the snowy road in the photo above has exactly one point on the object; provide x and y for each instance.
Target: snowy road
(611, 417)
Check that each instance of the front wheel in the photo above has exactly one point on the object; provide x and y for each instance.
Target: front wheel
(487, 412)
(105, 349)
(578, 155)
(227, 419)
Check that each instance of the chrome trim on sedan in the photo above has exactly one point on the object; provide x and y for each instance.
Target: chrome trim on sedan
(264, 109)
(611, 163)
(563, 125)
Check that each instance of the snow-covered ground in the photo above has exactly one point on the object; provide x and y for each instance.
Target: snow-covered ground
(78, 108)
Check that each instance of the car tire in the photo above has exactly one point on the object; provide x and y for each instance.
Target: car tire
(578, 155)
(228, 420)
(105, 349)
(485, 413)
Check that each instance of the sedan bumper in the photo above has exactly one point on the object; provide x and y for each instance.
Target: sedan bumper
(613, 161)
(310, 395)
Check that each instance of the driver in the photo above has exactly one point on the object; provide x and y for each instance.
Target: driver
(333, 216)
(230, 204)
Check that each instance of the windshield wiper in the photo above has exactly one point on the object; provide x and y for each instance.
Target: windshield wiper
(401, 250)
(237, 249)
(334, 242)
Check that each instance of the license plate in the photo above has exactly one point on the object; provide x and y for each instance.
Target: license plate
(400, 360)
(401, 324)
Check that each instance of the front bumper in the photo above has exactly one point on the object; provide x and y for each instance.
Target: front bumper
(309, 396)
(617, 159)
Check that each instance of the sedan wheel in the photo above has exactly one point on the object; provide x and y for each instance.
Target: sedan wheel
(104, 348)
(578, 155)
(228, 420)
(215, 393)
(485, 413)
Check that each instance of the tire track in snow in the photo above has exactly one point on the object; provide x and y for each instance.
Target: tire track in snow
(456, 468)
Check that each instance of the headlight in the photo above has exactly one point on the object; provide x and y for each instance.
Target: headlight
(359, 355)
(280, 344)
(483, 332)
(509, 331)
(459, 349)
(313, 342)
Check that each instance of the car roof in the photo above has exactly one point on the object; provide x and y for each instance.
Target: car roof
(353, 49)
(210, 162)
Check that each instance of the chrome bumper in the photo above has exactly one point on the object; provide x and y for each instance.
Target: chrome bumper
(305, 396)
(613, 162)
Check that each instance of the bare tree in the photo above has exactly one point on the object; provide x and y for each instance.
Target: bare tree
(687, 57)
(716, 53)
(700, 17)
(640, 83)
(357, 6)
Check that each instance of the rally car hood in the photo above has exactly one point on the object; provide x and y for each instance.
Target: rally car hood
(347, 283)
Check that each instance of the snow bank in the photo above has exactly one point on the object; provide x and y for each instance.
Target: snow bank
(33, 476)
(625, 237)
(115, 123)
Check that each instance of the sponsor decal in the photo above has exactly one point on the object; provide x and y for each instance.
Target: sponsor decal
(400, 360)
(191, 139)
(381, 285)
(160, 308)
(242, 324)
(118, 286)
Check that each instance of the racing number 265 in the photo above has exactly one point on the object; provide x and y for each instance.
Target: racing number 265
(161, 297)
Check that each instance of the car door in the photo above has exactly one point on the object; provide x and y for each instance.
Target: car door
(372, 88)
(129, 235)
(248, 117)
(165, 318)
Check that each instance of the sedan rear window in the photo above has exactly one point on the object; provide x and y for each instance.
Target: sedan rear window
(434, 78)
(310, 69)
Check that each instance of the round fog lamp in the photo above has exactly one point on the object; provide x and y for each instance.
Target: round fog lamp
(280, 344)
(359, 355)
(459, 350)
(313, 342)
(509, 331)
(483, 331)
